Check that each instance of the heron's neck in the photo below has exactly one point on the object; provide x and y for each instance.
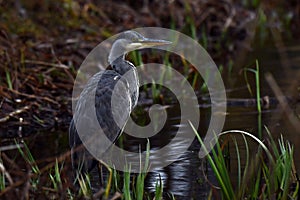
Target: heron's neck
(121, 65)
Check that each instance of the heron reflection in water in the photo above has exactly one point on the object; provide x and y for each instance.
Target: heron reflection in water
(104, 82)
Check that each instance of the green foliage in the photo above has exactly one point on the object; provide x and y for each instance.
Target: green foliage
(257, 82)
(158, 189)
(136, 189)
(2, 176)
(251, 3)
(126, 185)
(27, 156)
(261, 178)
(136, 58)
(8, 79)
(258, 96)
(262, 26)
(56, 178)
(133, 186)
(85, 186)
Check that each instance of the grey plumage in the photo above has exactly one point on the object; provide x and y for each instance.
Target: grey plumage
(103, 84)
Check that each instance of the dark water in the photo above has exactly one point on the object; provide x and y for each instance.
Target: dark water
(184, 178)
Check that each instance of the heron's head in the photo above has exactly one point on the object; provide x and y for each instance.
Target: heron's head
(131, 40)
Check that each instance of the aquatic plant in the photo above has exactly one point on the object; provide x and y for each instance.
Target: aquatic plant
(270, 174)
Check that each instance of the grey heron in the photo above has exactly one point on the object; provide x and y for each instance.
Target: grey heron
(103, 84)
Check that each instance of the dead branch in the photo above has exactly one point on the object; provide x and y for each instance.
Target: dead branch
(13, 113)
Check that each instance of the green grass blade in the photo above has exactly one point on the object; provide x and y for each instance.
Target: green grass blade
(238, 160)
(8, 79)
(215, 164)
(158, 189)
(27, 156)
(126, 185)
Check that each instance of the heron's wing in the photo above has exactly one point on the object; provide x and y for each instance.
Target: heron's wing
(113, 103)
(107, 96)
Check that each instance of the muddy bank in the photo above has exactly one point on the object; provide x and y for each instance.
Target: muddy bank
(43, 43)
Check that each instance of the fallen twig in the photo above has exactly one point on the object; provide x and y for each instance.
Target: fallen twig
(282, 101)
(32, 96)
(13, 113)
(3, 170)
(10, 147)
(46, 64)
(11, 163)
(60, 158)
(27, 187)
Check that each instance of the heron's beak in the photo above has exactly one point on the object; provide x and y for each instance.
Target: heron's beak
(146, 43)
